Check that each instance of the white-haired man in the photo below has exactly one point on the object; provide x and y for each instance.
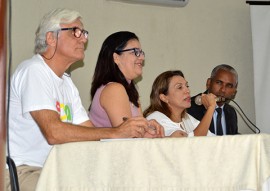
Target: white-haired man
(45, 106)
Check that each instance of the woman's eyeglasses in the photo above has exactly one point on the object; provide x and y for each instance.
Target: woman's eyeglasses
(138, 52)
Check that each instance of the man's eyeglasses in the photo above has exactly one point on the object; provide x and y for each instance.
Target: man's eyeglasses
(136, 51)
(77, 32)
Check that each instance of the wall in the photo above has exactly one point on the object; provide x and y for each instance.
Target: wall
(194, 39)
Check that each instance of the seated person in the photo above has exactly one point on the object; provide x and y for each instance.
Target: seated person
(169, 99)
(113, 92)
(45, 106)
(223, 84)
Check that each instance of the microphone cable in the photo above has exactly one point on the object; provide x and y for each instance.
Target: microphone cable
(258, 130)
(11, 165)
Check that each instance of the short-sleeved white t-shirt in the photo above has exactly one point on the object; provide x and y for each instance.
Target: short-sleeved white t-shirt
(34, 86)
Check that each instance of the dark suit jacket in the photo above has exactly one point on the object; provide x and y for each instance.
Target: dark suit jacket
(198, 111)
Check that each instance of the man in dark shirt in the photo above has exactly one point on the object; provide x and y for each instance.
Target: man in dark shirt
(223, 83)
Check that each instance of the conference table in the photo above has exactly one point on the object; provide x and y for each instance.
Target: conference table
(224, 163)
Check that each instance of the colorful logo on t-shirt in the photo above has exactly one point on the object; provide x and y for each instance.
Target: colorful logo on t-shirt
(65, 111)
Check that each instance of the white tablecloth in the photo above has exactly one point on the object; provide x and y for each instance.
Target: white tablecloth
(226, 163)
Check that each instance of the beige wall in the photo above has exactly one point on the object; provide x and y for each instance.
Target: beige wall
(194, 39)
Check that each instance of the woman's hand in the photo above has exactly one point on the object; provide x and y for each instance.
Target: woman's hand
(208, 100)
(179, 133)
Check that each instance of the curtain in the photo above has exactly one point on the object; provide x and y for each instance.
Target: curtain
(260, 26)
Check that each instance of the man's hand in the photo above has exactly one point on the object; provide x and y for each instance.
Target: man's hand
(139, 127)
(154, 130)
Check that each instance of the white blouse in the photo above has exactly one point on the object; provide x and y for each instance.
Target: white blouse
(188, 124)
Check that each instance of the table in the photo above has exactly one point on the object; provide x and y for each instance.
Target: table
(227, 163)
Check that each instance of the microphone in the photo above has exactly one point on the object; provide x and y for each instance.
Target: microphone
(198, 99)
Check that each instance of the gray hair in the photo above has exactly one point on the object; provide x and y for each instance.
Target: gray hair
(226, 68)
(51, 23)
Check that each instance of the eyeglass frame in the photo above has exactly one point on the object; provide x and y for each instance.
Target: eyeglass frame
(82, 31)
(137, 51)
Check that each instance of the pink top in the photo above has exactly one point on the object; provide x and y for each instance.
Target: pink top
(98, 115)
